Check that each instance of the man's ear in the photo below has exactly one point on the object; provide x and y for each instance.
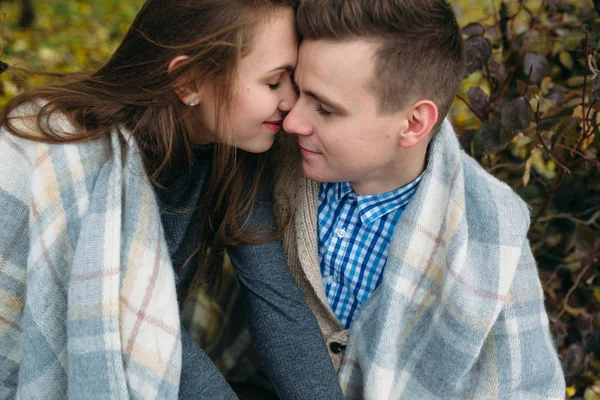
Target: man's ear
(181, 87)
(420, 118)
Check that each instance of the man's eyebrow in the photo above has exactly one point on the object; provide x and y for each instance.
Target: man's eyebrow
(338, 108)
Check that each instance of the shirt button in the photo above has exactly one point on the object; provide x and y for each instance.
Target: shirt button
(336, 348)
(328, 280)
(341, 233)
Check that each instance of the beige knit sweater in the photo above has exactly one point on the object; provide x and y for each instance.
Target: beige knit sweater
(296, 207)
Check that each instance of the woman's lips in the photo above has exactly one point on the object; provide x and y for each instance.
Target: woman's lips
(274, 126)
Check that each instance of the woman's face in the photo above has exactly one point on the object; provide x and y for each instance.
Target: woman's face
(264, 93)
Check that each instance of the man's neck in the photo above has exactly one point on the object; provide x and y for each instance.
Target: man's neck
(408, 167)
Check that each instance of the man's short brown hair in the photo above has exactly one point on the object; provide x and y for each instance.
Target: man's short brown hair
(421, 54)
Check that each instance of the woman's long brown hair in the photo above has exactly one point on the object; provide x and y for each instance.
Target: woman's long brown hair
(135, 90)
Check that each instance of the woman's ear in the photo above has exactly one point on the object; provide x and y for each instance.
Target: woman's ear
(187, 96)
(421, 117)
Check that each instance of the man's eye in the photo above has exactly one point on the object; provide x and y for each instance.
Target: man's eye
(275, 86)
(322, 111)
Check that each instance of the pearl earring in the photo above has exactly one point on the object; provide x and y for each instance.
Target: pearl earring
(192, 103)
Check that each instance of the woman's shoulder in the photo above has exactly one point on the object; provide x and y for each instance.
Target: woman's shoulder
(28, 136)
(32, 164)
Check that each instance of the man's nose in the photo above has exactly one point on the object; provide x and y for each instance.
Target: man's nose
(296, 122)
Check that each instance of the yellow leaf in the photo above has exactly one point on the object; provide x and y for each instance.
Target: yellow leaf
(85, 9)
(546, 85)
(592, 392)
(20, 45)
(557, 47)
(566, 59)
(544, 104)
(546, 169)
(571, 391)
(48, 55)
(574, 311)
(528, 164)
(10, 89)
(597, 294)
(461, 119)
(590, 279)
(588, 142)
(520, 146)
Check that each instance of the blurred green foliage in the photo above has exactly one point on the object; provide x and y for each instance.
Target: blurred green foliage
(528, 110)
(65, 36)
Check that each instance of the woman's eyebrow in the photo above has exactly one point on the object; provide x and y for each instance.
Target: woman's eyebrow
(285, 67)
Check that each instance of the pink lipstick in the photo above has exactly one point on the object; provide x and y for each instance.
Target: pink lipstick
(274, 126)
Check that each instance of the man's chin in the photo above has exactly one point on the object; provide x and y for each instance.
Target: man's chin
(313, 173)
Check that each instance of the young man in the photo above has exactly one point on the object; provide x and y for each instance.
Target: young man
(414, 259)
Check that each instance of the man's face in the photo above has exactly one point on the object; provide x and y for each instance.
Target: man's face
(341, 135)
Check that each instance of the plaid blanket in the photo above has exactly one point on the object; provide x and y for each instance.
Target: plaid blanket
(88, 308)
(460, 311)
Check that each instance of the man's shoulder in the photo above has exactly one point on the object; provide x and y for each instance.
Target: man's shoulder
(489, 199)
(486, 198)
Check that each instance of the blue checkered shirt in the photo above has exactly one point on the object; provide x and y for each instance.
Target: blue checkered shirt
(354, 238)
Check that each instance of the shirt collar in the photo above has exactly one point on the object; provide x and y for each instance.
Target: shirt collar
(342, 190)
(373, 207)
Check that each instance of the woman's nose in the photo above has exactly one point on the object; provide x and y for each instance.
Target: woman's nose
(289, 98)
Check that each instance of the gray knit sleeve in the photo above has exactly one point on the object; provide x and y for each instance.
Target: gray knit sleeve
(200, 379)
(282, 326)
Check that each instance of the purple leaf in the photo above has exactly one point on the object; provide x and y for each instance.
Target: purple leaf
(587, 244)
(516, 116)
(556, 94)
(478, 51)
(573, 363)
(488, 139)
(595, 100)
(497, 70)
(478, 101)
(537, 64)
(473, 29)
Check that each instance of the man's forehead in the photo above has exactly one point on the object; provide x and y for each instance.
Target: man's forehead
(337, 65)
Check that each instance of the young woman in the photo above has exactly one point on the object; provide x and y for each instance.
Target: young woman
(120, 193)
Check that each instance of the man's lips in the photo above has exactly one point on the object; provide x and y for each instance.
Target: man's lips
(275, 126)
(307, 153)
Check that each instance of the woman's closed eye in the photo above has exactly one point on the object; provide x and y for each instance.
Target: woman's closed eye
(276, 81)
